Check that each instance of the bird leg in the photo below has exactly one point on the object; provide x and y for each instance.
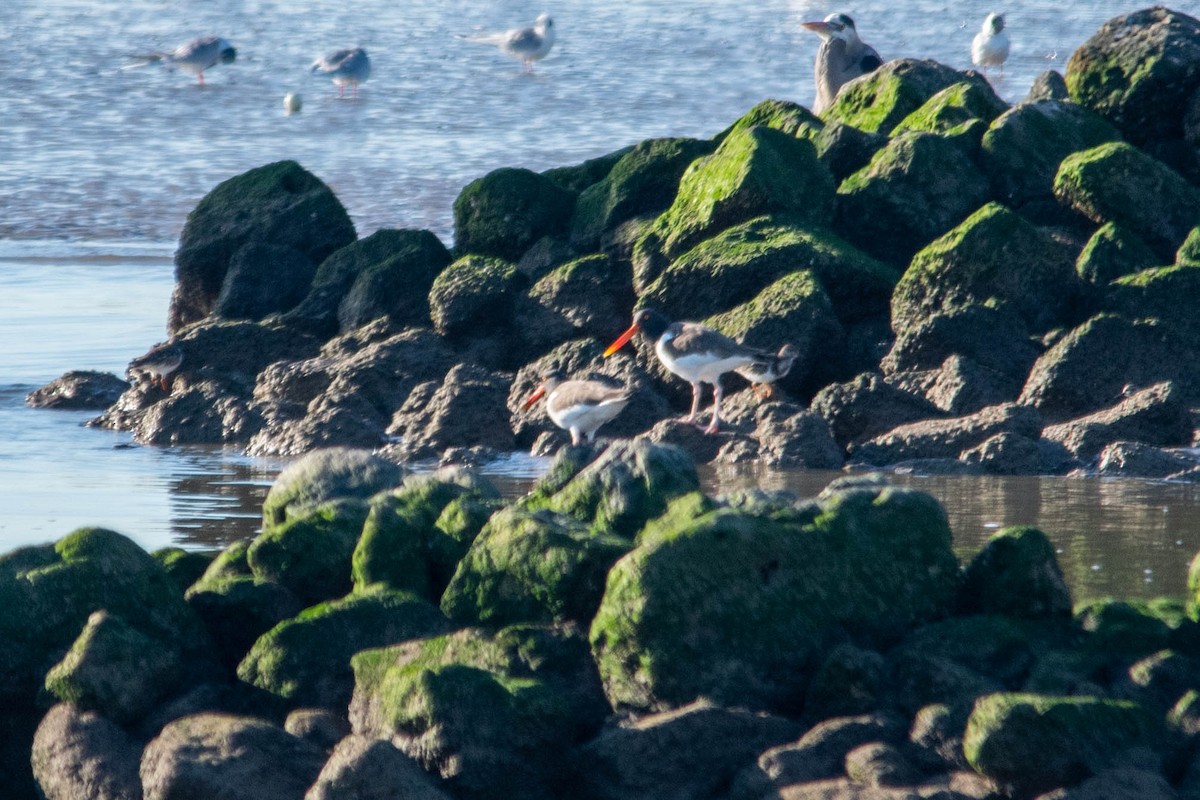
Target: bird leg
(574, 436)
(716, 417)
(200, 78)
(696, 390)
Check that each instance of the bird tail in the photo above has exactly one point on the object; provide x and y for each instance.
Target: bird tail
(145, 59)
(481, 38)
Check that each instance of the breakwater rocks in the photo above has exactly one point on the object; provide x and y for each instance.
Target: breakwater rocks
(615, 633)
(970, 285)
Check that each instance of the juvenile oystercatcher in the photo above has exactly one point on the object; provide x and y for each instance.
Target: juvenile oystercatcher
(763, 372)
(694, 352)
(157, 364)
(579, 406)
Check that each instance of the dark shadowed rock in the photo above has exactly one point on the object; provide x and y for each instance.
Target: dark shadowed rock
(365, 768)
(948, 438)
(798, 439)
(1006, 454)
(1091, 367)
(1156, 415)
(80, 754)
(79, 389)
(845, 149)
(1162, 294)
(469, 408)
(279, 204)
(1016, 574)
(1113, 251)
(503, 213)
(995, 338)
(263, 279)
(647, 758)
(959, 386)
(821, 752)
(1048, 85)
(322, 727)
(1139, 71)
(882, 764)
(474, 295)
(231, 757)
(916, 188)
(592, 295)
(868, 406)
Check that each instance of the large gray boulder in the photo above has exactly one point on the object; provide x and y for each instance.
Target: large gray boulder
(81, 754)
(1156, 415)
(948, 438)
(365, 768)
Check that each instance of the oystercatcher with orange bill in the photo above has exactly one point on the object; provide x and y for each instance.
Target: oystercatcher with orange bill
(694, 352)
(579, 406)
(763, 373)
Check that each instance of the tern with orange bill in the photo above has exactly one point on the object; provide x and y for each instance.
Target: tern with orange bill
(579, 406)
(694, 352)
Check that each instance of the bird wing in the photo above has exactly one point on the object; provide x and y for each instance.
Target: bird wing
(331, 62)
(870, 60)
(591, 393)
(697, 338)
(523, 40)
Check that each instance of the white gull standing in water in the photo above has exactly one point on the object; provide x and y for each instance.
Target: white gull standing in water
(990, 46)
(193, 57)
(348, 67)
(527, 45)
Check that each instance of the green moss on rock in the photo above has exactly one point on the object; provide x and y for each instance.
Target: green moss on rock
(474, 294)
(577, 177)
(994, 256)
(1039, 742)
(1024, 146)
(1016, 574)
(880, 100)
(333, 473)
(1111, 253)
(532, 566)
(1189, 251)
(739, 608)
(781, 115)
(1118, 183)
(184, 566)
(1164, 294)
(311, 554)
(503, 213)
(755, 171)
(962, 110)
(914, 189)
(305, 660)
(734, 266)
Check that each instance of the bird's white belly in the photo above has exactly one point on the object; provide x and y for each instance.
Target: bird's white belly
(586, 418)
(699, 367)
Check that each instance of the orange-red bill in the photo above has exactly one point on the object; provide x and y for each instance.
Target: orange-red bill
(533, 398)
(621, 340)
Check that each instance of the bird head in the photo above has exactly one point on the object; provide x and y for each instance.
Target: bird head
(228, 54)
(994, 23)
(550, 380)
(834, 26)
(544, 22)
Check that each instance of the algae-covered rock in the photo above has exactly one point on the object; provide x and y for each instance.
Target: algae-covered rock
(1139, 72)
(330, 474)
(592, 295)
(386, 274)
(1111, 253)
(994, 337)
(672, 624)
(532, 566)
(474, 294)
(310, 554)
(781, 115)
(279, 204)
(1039, 742)
(263, 279)
(732, 267)
(630, 483)
(754, 172)
(994, 256)
(846, 149)
(305, 660)
(1189, 251)
(230, 757)
(793, 310)
(115, 669)
(1116, 182)
(1016, 574)
(49, 592)
(507, 210)
(879, 100)
(364, 768)
(577, 177)
(1090, 367)
(1024, 146)
(184, 566)
(413, 537)
(644, 181)
(493, 714)
(1162, 294)
(916, 188)
(962, 110)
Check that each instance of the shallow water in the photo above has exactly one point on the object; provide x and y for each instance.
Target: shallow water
(99, 167)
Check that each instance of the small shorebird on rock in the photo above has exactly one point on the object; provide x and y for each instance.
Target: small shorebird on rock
(193, 57)
(348, 67)
(527, 45)
(762, 373)
(694, 352)
(841, 57)
(157, 364)
(990, 46)
(579, 406)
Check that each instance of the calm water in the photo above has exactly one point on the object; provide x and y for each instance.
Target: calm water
(99, 167)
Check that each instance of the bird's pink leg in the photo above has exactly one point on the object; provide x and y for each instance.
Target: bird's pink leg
(716, 417)
(341, 90)
(200, 77)
(696, 390)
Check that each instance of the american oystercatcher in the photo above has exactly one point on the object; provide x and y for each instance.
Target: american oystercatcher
(694, 352)
(348, 67)
(763, 372)
(157, 364)
(579, 406)
(841, 57)
(527, 45)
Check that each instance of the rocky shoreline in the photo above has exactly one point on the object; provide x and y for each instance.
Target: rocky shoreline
(614, 634)
(971, 287)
